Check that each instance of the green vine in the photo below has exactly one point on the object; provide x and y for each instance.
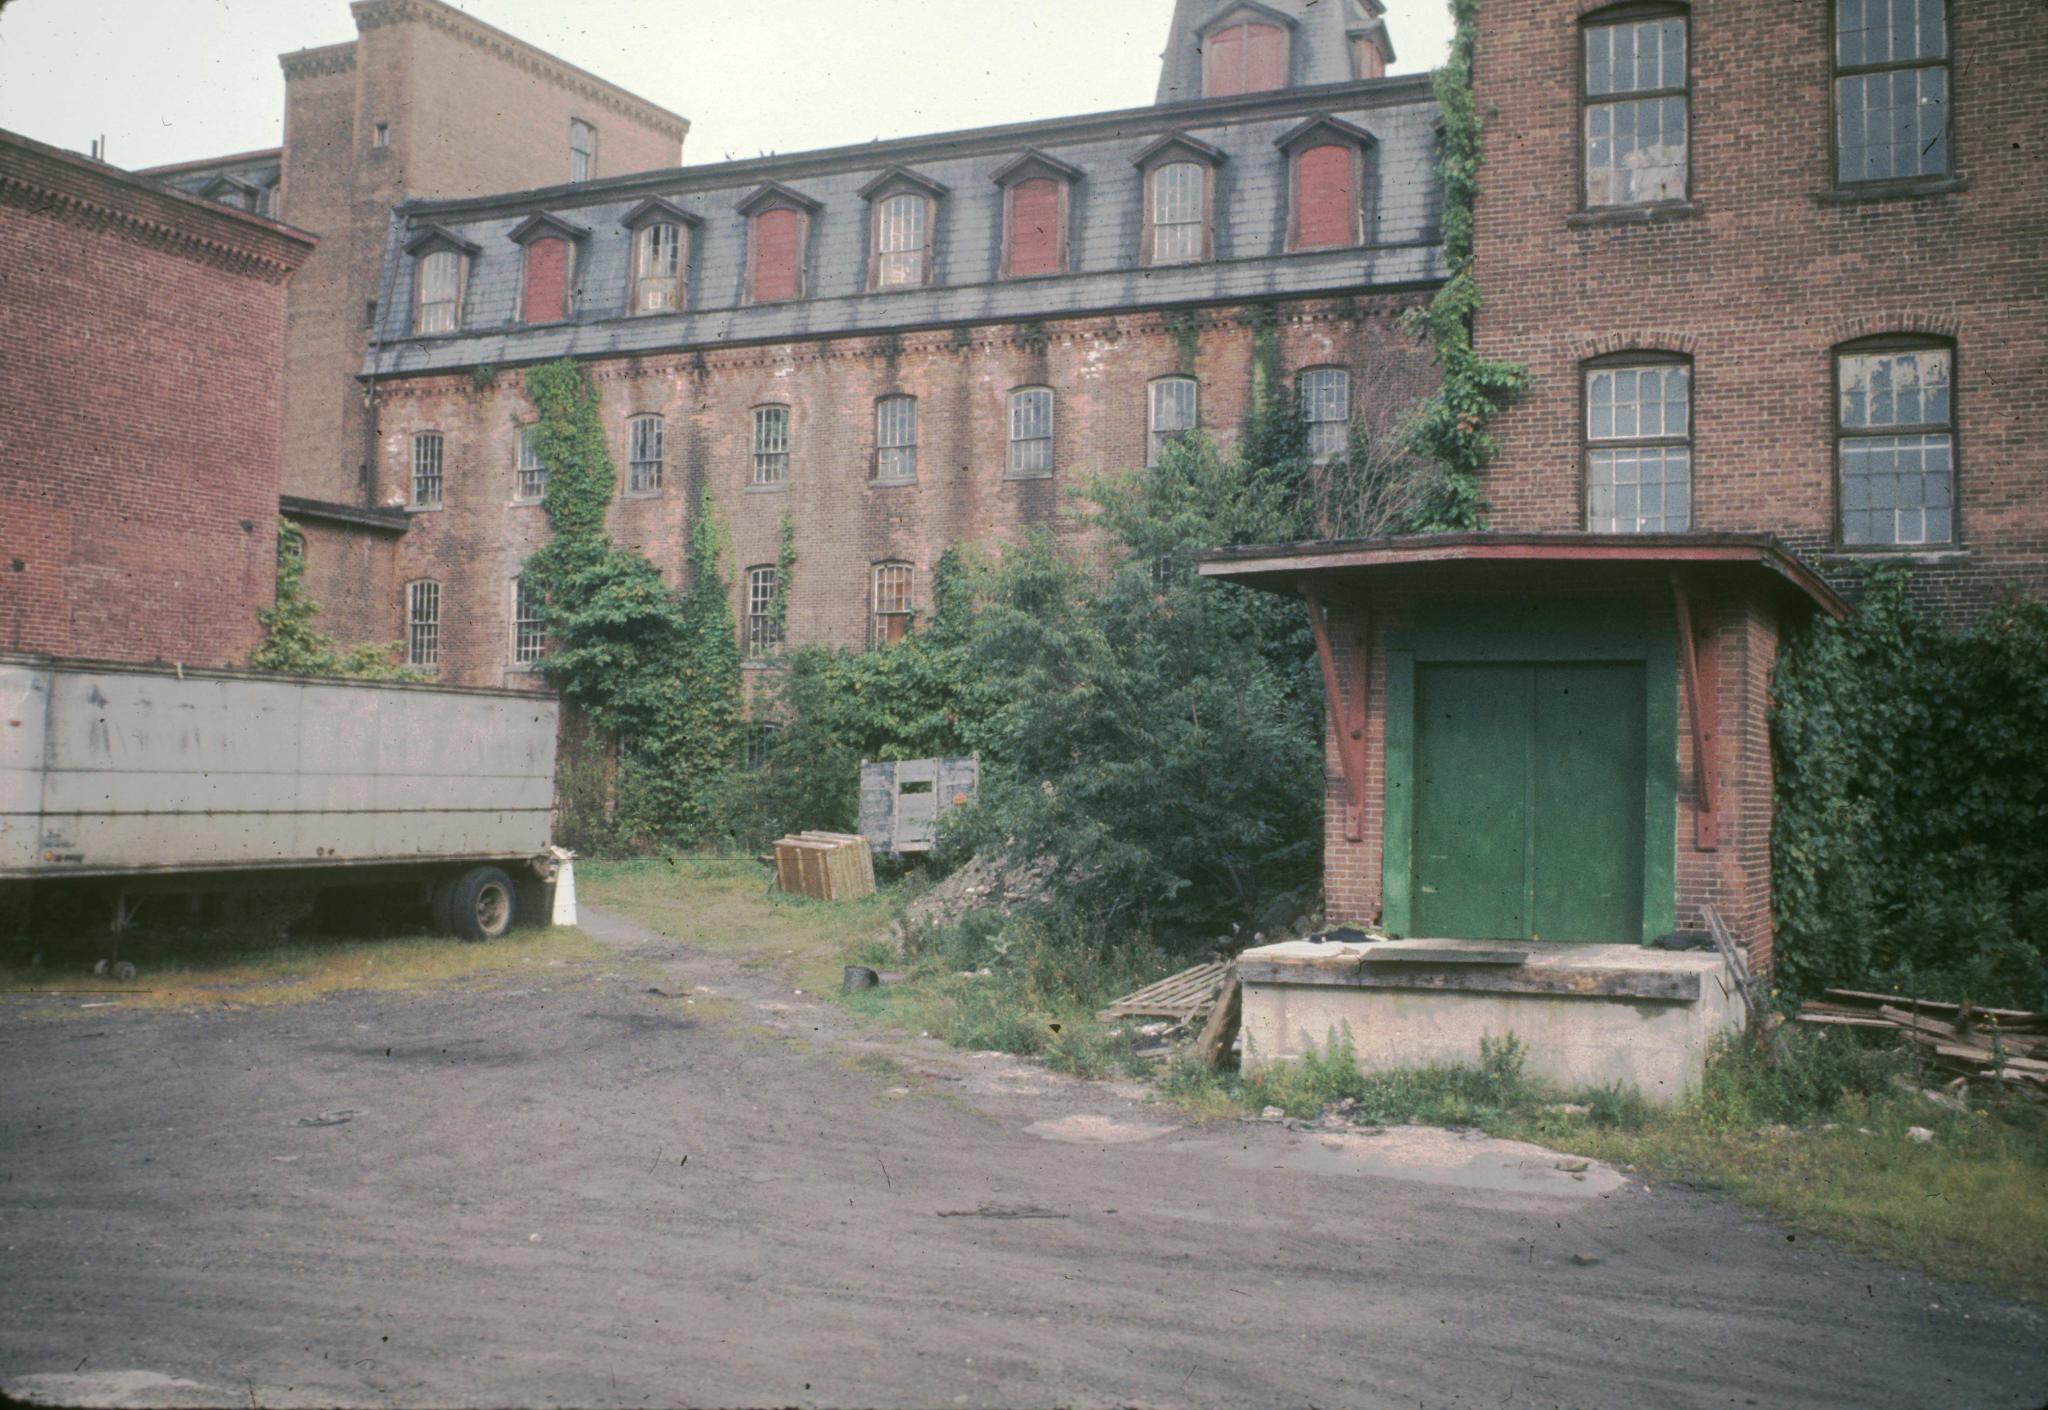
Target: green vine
(483, 377)
(293, 645)
(1186, 330)
(785, 568)
(1267, 372)
(656, 670)
(1452, 427)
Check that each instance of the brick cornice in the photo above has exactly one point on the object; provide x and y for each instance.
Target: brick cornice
(631, 367)
(45, 181)
(376, 14)
(318, 63)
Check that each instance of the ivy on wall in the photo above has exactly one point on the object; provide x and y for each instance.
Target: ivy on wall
(656, 670)
(293, 645)
(1452, 427)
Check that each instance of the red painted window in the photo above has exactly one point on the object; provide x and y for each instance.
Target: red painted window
(1244, 58)
(1324, 199)
(1035, 227)
(778, 260)
(547, 281)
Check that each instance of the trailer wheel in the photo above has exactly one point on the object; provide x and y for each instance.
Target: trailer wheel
(442, 901)
(484, 904)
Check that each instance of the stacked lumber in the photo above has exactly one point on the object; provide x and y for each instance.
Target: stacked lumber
(2009, 1046)
(826, 866)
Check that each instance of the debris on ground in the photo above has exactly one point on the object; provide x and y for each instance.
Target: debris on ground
(1919, 1134)
(1180, 997)
(985, 884)
(329, 1118)
(2005, 1046)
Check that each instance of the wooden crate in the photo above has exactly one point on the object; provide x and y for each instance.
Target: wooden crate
(826, 866)
(1178, 996)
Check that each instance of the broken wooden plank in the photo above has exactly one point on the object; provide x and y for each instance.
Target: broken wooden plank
(1862, 999)
(1180, 996)
(1214, 1043)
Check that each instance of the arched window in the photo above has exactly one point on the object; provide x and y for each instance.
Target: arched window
(1243, 55)
(644, 455)
(1324, 397)
(778, 232)
(1030, 433)
(900, 242)
(1179, 202)
(1895, 436)
(657, 267)
(1637, 123)
(530, 477)
(426, 470)
(894, 593)
(771, 445)
(896, 439)
(423, 624)
(437, 280)
(1172, 413)
(1891, 90)
(1037, 196)
(1638, 444)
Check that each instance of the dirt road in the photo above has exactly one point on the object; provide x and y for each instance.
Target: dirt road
(585, 1193)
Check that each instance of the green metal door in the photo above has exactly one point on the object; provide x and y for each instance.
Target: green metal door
(1528, 811)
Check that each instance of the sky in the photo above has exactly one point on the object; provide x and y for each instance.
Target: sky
(177, 80)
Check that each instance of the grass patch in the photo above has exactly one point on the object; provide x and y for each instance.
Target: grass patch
(734, 908)
(239, 969)
(1817, 1139)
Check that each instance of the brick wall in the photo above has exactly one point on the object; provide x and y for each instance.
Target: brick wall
(1765, 271)
(1098, 368)
(468, 111)
(144, 337)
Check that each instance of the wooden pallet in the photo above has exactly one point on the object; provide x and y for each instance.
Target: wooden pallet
(826, 866)
(1178, 996)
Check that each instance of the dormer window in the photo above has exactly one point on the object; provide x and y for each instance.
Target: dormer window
(1179, 200)
(439, 277)
(904, 210)
(1246, 52)
(778, 235)
(1326, 168)
(545, 294)
(1371, 49)
(661, 255)
(1037, 195)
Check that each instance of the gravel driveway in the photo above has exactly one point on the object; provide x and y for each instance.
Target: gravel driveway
(586, 1193)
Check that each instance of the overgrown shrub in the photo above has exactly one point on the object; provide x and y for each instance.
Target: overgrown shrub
(292, 644)
(1911, 841)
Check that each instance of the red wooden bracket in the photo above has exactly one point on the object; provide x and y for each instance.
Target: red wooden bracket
(1698, 660)
(1349, 723)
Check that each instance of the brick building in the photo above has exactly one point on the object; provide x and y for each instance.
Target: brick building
(905, 345)
(425, 102)
(1777, 272)
(138, 505)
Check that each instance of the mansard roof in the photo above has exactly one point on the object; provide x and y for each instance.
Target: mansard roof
(902, 176)
(541, 223)
(1320, 32)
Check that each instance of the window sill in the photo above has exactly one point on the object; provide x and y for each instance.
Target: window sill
(526, 504)
(892, 484)
(642, 494)
(1899, 552)
(779, 488)
(901, 288)
(1635, 215)
(1890, 190)
(526, 668)
(1029, 474)
(423, 508)
(763, 663)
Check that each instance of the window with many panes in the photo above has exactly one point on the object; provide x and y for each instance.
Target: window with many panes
(1030, 431)
(423, 624)
(1179, 212)
(529, 476)
(894, 585)
(1638, 447)
(900, 241)
(643, 457)
(529, 632)
(426, 470)
(1325, 401)
(764, 612)
(657, 268)
(762, 740)
(771, 445)
(1891, 89)
(896, 438)
(438, 306)
(582, 150)
(1636, 112)
(1170, 414)
(1895, 429)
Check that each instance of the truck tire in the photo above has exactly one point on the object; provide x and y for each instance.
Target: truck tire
(484, 904)
(441, 900)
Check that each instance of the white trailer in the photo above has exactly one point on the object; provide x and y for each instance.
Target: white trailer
(123, 781)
